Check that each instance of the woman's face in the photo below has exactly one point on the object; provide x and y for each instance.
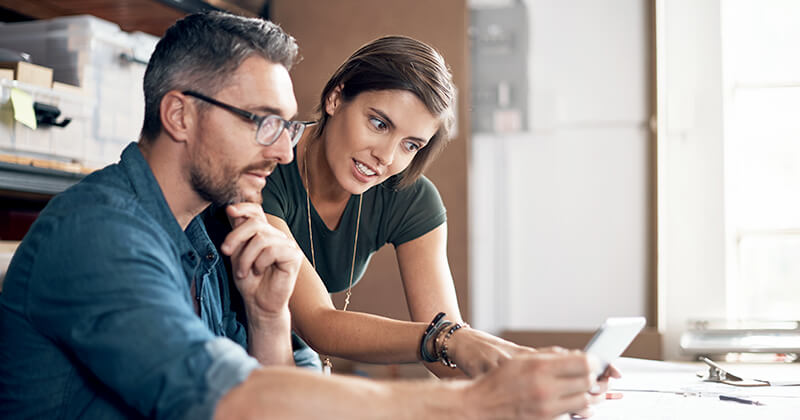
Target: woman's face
(374, 136)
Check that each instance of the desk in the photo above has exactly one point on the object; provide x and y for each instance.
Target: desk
(664, 390)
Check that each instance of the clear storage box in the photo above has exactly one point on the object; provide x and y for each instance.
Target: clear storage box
(106, 62)
(56, 143)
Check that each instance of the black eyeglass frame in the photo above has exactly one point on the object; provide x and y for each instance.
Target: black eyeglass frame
(257, 119)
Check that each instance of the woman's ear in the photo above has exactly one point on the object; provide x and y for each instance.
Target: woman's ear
(333, 100)
(177, 115)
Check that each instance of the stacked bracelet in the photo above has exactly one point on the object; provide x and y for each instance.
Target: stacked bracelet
(442, 345)
(431, 331)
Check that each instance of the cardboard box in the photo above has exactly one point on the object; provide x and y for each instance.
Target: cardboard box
(67, 88)
(7, 74)
(30, 73)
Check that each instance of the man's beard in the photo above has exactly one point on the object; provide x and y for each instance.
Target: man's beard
(221, 189)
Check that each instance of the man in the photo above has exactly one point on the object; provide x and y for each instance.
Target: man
(116, 304)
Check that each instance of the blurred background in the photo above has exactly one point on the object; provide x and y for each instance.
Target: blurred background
(612, 158)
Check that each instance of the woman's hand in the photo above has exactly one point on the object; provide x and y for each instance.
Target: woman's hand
(476, 352)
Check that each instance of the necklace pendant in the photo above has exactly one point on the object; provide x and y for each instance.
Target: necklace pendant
(327, 366)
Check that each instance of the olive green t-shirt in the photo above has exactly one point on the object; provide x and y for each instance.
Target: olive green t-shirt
(388, 215)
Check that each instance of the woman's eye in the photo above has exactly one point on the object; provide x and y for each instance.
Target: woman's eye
(411, 146)
(378, 124)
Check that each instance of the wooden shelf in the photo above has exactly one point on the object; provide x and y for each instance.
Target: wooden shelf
(31, 179)
(150, 16)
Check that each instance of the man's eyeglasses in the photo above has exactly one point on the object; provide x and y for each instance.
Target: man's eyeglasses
(270, 127)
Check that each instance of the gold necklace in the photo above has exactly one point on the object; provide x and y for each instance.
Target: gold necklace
(327, 366)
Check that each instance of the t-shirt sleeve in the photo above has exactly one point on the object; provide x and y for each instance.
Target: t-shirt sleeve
(276, 194)
(117, 304)
(417, 210)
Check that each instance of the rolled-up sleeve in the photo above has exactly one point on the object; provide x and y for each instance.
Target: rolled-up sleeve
(109, 288)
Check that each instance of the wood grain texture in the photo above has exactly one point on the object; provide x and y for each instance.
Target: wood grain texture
(148, 16)
(647, 344)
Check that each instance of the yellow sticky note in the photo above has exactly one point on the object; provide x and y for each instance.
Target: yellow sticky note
(22, 103)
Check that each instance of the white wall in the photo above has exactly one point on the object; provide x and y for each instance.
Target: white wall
(559, 214)
(724, 69)
(691, 270)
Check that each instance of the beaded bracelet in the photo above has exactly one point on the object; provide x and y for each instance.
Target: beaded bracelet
(440, 326)
(436, 337)
(443, 350)
(423, 342)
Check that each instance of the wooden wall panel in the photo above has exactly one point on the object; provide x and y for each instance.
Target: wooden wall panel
(647, 344)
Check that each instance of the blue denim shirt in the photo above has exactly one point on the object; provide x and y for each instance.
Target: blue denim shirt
(96, 316)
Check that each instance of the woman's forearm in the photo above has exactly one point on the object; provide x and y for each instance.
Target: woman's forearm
(364, 337)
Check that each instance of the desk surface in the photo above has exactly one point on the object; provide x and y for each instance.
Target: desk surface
(664, 390)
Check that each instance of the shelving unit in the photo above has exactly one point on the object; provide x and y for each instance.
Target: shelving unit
(31, 179)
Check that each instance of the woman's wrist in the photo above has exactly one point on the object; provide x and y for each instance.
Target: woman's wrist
(425, 353)
(444, 347)
(434, 342)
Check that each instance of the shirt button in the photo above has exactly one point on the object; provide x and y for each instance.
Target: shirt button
(210, 256)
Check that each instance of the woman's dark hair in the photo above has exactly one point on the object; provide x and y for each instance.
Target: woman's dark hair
(402, 63)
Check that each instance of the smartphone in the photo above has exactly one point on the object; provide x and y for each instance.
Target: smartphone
(612, 338)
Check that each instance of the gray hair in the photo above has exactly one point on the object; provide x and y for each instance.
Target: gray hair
(201, 51)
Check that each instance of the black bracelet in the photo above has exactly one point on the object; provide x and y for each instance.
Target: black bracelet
(423, 352)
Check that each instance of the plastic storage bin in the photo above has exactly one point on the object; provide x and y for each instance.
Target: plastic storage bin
(55, 143)
(106, 62)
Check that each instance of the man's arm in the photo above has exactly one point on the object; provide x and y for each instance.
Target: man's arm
(265, 263)
(538, 386)
(105, 288)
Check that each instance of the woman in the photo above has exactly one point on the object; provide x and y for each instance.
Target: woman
(356, 185)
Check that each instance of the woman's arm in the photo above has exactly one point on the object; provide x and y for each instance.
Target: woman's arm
(429, 289)
(352, 335)
(428, 283)
(374, 339)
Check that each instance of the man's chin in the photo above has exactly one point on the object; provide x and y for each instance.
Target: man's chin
(247, 198)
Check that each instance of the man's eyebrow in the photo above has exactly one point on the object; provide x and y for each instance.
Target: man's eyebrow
(265, 109)
(388, 121)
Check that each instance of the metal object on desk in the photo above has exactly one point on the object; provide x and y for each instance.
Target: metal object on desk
(717, 373)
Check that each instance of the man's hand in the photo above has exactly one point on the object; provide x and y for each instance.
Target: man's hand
(265, 262)
(540, 385)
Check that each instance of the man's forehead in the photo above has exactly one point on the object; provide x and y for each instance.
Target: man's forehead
(262, 84)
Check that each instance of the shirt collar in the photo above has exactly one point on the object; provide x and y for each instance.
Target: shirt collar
(148, 191)
(195, 246)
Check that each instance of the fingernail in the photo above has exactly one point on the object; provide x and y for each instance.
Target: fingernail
(613, 395)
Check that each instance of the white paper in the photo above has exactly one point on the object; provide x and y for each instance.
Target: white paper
(663, 390)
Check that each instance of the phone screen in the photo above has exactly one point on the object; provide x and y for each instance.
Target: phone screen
(612, 338)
